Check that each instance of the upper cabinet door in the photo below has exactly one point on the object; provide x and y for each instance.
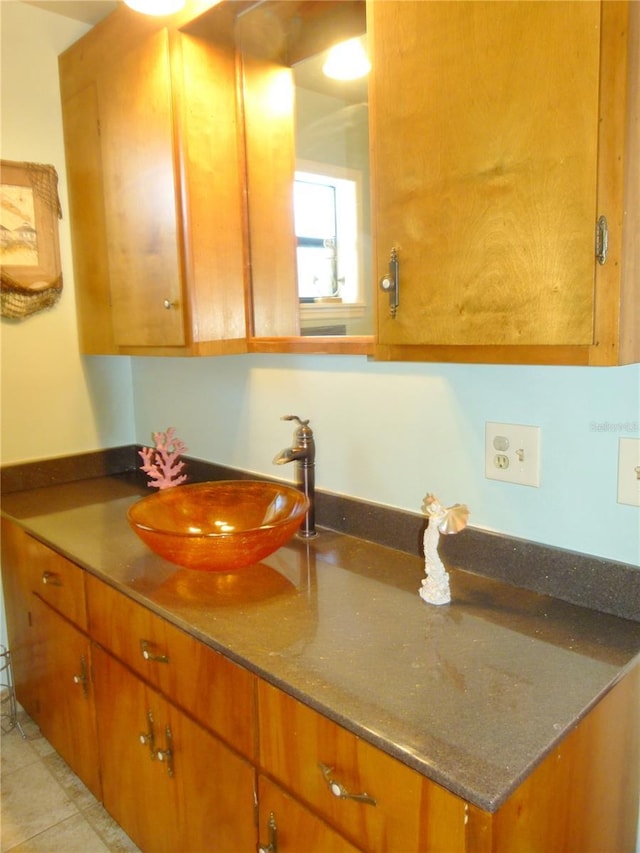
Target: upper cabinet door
(156, 174)
(136, 127)
(485, 136)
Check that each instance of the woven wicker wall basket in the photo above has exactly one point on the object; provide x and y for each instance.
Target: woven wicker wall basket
(30, 272)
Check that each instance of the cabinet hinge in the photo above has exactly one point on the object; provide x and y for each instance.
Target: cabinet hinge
(602, 240)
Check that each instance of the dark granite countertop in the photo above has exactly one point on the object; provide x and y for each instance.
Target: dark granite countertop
(472, 694)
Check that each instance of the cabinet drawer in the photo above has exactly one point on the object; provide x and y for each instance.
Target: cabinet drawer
(294, 826)
(410, 812)
(213, 690)
(57, 581)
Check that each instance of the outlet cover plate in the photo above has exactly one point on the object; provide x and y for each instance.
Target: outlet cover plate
(512, 453)
(629, 471)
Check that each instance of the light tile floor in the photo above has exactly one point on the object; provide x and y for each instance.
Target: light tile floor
(44, 807)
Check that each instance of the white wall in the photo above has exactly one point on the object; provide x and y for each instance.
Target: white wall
(53, 401)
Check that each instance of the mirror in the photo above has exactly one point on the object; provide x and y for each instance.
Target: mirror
(307, 149)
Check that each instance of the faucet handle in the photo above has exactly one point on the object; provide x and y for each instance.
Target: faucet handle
(294, 418)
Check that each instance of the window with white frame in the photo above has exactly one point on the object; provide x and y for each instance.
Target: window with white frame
(327, 204)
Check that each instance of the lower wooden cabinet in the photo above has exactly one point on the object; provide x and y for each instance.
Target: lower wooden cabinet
(176, 664)
(17, 592)
(57, 581)
(170, 784)
(583, 797)
(51, 656)
(64, 699)
(374, 800)
(158, 743)
(286, 826)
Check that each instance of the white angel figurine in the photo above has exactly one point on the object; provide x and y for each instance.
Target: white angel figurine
(453, 519)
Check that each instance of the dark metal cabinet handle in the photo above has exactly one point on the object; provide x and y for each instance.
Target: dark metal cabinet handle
(147, 654)
(82, 678)
(602, 240)
(390, 283)
(166, 755)
(148, 738)
(340, 791)
(272, 846)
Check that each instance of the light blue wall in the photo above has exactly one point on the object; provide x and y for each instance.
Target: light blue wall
(390, 433)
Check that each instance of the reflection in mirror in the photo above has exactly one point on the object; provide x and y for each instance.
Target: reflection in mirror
(307, 150)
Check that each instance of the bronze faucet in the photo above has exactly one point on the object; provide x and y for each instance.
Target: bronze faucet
(303, 453)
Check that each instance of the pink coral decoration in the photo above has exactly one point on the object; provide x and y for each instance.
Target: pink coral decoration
(162, 463)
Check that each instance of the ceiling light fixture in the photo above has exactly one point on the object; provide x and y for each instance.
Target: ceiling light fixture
(347, 61)
(155, 7)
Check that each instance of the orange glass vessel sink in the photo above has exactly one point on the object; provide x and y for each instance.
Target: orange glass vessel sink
(218, 526)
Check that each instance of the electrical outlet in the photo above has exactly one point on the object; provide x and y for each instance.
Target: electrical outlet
(512, 453)
(629, 471)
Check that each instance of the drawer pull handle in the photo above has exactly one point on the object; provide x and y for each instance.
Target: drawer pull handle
(51, 579)
(148, 738)
(147, 654)
(82, 678)
(272, 846)
(340, 791)
(166, 755)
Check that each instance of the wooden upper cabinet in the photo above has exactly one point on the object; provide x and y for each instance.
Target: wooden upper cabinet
(156, 189)
(269, 101)
(498, 137)
(87, 219)
(141, 197)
